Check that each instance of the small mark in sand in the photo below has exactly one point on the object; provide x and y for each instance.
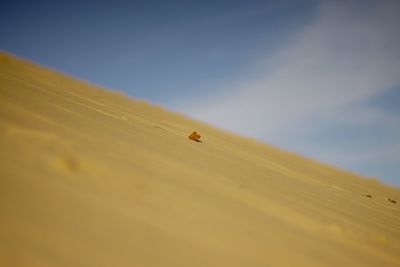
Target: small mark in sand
(368, 195)
(69, 163)
(337, 187)
(392, 200)
(382, 239)
(159, 127)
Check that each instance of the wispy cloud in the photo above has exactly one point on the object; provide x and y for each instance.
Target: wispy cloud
(326, 75)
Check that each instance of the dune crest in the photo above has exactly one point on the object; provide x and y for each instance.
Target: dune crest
(90, 177)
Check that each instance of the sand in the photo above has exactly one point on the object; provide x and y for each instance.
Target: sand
(90, 177)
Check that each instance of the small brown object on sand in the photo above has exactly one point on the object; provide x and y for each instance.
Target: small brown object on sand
(195, 136)
(392, 200)
(368, 195)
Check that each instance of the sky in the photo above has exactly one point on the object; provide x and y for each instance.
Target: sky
(317, 77)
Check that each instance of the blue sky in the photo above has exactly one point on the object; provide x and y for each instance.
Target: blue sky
(320, 78)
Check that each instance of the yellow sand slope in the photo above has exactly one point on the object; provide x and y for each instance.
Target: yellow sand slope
(89, 177)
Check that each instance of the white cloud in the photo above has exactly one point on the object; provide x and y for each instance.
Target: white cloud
(345, 57)
(327, 73)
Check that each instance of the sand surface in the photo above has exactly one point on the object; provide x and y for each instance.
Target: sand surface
(90, 177)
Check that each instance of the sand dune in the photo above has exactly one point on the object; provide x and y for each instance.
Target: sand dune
(90, 177)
